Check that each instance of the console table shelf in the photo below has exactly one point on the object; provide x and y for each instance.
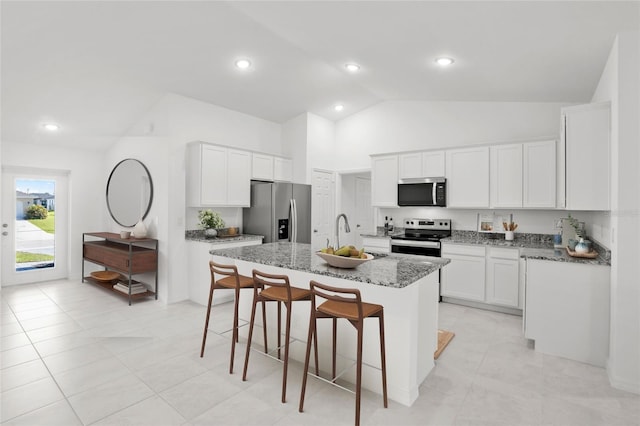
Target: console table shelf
(128, 256)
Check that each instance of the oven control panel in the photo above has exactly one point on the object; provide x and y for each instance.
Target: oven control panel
(433, 224)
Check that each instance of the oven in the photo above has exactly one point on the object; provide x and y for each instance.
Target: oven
(421, 237)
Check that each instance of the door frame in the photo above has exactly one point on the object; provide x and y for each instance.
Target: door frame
(63, 229)
(338, 192)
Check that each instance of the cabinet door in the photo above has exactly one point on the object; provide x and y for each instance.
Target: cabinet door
(376, 245)
(464, 277)
(587, 133)
(468, 177)
(239, 178)
(433, 164)
(282, 169)
(506, 175)
(262, 168)
(503, 277)
(384, 181)
(540, 174)
(213, 175)
(410, 165)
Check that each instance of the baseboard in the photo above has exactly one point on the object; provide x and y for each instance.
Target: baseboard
(485, 306)
(625, 385)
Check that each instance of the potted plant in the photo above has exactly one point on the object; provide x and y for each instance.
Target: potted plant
(210, 221)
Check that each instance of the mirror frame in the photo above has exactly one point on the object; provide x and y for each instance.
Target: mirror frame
(150, 191)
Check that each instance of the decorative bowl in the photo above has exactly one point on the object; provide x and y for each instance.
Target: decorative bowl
(342, 261)
(105, 276)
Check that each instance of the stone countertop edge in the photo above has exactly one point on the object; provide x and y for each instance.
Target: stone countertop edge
(396, 270)
(200, 237)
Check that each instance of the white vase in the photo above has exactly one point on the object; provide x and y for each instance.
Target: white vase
(210, 232)
(140, 230)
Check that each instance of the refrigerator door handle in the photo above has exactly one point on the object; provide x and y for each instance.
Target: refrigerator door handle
(295, 221)
(291, 219)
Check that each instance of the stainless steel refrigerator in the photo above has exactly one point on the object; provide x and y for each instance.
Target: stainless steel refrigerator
(280, 211)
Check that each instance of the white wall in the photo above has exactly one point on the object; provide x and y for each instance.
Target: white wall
(173, 122)
(87, 185)
(412, 125)
(321, 153)
(620, 84)
(294, 140)
(153, 153)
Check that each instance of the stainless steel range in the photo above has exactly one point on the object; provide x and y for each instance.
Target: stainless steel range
(421, 237)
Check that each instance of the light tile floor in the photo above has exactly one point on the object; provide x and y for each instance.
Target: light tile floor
(73, 354)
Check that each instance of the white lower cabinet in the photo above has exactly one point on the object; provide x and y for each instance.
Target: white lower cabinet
(376, 245)
(464, 277)
(566, 309)
(489, 275)
(503, 277)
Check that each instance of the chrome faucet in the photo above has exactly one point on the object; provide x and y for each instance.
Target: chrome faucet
(346, 228)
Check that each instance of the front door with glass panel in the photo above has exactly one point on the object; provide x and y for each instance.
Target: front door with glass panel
(34, 226)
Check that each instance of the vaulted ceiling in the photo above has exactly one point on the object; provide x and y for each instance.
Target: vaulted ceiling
(96, 67)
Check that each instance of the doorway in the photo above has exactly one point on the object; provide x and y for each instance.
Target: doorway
(355, 202)
(322, 208)
(34, 225)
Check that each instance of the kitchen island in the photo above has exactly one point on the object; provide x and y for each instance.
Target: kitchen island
(407, 287)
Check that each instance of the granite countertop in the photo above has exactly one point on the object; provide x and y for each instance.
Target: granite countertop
(198, 235)
(395, 270)
(532, 246)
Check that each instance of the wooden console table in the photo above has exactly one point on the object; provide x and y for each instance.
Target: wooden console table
(128, 256)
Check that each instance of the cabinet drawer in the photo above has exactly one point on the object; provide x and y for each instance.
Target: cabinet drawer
(503, 253)
(376, 242)
(116, 256)
(462, 250)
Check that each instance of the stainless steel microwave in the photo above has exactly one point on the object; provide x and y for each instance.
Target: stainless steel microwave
(422, 192)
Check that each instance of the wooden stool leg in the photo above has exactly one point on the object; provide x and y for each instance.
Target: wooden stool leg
(359, 373)
(287, 331)
(315, 346)
(383, 362)
(279, 327)
(335, 333)
(234, 337)
(311, 335)
(253, 317)
(264, 325)
(206, 321)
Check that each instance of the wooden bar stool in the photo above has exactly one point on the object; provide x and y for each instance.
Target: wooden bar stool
(230, 280)
(275, 288)
(344, 303)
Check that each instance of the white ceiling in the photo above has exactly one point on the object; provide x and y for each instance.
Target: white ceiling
(96, 67)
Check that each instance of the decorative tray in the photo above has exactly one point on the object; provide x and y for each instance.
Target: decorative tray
(591, 255)
(105, 276)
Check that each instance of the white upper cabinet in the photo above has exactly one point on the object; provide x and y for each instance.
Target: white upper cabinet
(384, 181)
(433, 164)
(282, 169)
(217, 176)
(421, 164)
(410, 165)
(506, 176)
(539, 174)
(239, 178)
(586, 138)
(468, 177)
(262, 168)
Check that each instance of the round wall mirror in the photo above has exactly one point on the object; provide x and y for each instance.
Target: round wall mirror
(129, 192)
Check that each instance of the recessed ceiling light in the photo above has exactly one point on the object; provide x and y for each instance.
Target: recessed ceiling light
(338, 107)
(51, 127)
(243, 64)
(352, 67)
(444, 61)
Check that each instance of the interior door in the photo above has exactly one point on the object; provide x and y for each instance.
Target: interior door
(34, 250)
(364, 211)
(322, 208)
